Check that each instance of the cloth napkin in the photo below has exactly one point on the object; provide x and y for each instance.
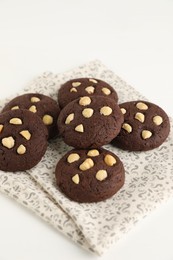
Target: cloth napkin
(94, 226)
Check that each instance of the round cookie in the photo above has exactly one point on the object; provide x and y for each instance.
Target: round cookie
(89, 175)
(80, 87)
(44, 106)
(145, 127)
(90, 122)
(23, 140)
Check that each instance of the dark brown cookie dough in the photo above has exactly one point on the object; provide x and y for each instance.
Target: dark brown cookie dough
(80, 87)
(89, 175)
(44, 106)
(23, 140)
(90, 122)
(146, 126)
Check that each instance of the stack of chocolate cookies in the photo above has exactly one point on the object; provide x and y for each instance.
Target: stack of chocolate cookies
(90, 118)
(26, 123)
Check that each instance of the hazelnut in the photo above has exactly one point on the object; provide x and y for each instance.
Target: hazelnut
(90, 89)
(109, 160)
(87, 112)
(75, 179)
(101, 175)
(79, 128)
(84, 101)
(87, 164)
(33, 109)
(47, 120)
(1, 127)
(123, 110)
(106, 111)
(140, 117)
(73, 157)
(76, 84)
(16, 121)
(26, 134)
(93, 153)
(69, 119)
(141, 106)
(127, 127)
(158, 120)
(35, 99)
(8, 142)
(15, 107)
(73, 90)
(146, 134)
(93, 80)
(21, 149)
(106, 91)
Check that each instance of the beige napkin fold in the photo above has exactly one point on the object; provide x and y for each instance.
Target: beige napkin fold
(96, 226)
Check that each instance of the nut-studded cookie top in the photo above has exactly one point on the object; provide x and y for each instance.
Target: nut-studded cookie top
(76, 88)
(146, 126)
(23, 140)
(45, 107)
(90, 175)
(90, 122)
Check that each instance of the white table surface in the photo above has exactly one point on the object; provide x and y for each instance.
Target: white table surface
(134, 39)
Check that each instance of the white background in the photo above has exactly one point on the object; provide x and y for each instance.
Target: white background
(134, 39)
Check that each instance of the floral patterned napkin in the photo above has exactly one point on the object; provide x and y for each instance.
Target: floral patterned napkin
(95, 226)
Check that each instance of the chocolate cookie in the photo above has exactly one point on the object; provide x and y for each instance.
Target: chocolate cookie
(23, 140)
(146, 126)
(44, 106)
(76, 88)
(89, 175)
(90, 122)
